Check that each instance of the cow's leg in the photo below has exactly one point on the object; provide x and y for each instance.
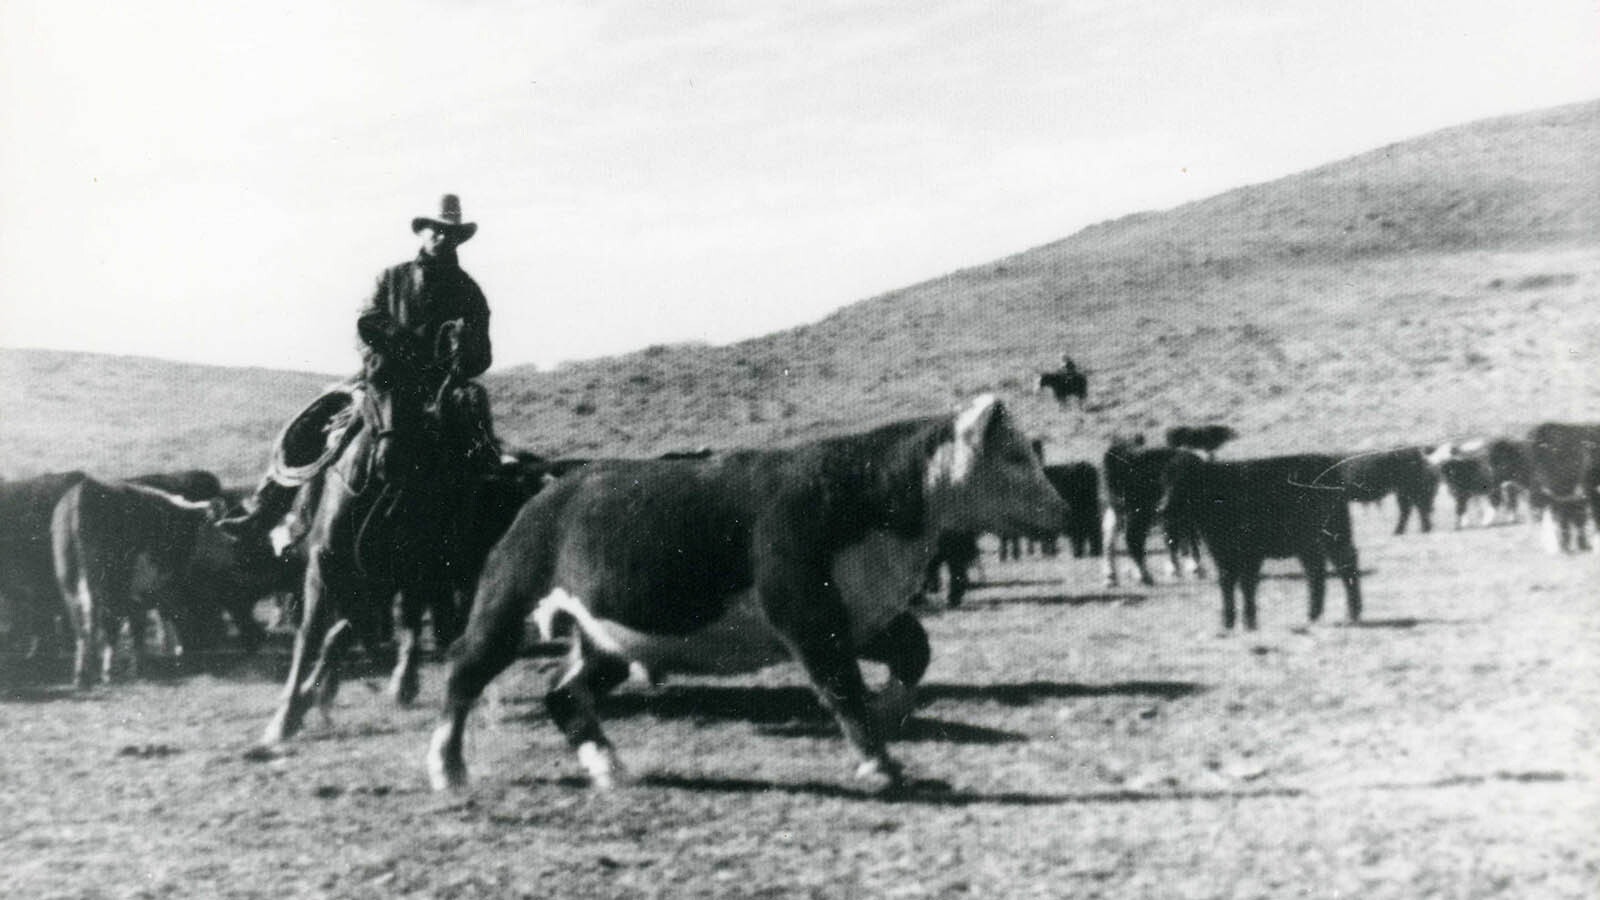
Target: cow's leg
(1110, 524)
(86, 629)
(1249, 580)
(1315, 564)
(903, 647)
(1227, 581)
(959, 579)
(1347, 564)
(809, 616)
(138, 621)
(489, 644)
(571, 703)
(1137, 532)
(1405, 513)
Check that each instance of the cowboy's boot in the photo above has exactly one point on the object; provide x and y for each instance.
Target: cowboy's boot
(268, 506)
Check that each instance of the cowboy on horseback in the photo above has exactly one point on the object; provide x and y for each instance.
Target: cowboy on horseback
(425, 316)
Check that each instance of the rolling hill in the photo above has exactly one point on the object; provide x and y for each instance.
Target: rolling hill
(1438, 287)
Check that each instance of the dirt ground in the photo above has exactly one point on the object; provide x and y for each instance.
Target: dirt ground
(1071, 742)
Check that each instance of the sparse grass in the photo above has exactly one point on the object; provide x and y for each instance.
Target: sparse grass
(1073, 742)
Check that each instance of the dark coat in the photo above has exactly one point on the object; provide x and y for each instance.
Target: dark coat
(399, 326)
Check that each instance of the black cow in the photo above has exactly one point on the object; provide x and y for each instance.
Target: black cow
(1565, 462)
(115, 546)
(956, 551)
(1403, 472)
(27, 567)
(1253, 510)
(1204, 438)
(741, 561)
(1133, 497)
(1064, 385)
(1078, 483)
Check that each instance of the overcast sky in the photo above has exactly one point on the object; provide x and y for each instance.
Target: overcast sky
(221, 182)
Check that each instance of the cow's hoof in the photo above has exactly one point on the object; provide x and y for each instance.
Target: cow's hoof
(892, 706)
(881, 775)
(606, 772)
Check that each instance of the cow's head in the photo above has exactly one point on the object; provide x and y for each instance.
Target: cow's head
(1180, 488)
(988, 478)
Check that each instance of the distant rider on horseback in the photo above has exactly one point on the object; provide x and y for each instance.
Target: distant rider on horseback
(423, 314)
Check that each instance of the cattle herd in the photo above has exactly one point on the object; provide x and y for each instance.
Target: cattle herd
(734, 560)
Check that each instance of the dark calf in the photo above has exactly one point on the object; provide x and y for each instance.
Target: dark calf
(1250, 511)
(1403, 472)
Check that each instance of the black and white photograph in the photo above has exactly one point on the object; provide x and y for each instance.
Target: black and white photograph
(541, 449)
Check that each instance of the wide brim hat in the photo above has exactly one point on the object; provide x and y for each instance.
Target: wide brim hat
(448, 219)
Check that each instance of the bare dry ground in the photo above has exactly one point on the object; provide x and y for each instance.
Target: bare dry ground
(1071, 742)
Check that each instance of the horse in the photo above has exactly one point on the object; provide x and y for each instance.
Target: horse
(388, 521)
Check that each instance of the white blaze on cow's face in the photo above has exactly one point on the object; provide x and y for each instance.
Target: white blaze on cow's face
(988, 478)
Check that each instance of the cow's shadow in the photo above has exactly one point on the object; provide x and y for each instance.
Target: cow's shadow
(793, 711)
(1300, 575)
(1053, 598)
(1405, 622)
(923, 792)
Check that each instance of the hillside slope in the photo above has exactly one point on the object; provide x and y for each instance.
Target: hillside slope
(1436, 287)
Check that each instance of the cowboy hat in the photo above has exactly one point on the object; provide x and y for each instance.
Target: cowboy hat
(448, 219)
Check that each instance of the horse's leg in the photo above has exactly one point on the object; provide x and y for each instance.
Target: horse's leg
(414, 600)
(315, 618)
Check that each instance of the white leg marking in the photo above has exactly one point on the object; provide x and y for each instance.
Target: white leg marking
(602, 764)
(443, 773)
(1550, 532)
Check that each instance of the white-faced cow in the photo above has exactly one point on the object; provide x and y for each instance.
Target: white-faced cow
(1565, 460)
(1252, 510)
(741, 561)
(1469, 476)
(1511, 467)
(115, 546)
(1403, 472)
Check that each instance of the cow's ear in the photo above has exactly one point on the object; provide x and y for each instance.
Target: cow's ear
(972, 424)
